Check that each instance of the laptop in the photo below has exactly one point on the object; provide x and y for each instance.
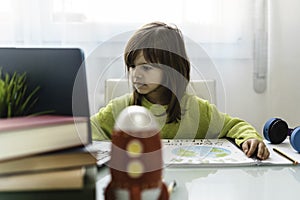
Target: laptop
(61, 75)
(59, 72)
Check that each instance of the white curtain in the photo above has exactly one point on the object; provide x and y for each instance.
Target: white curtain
(224, 23)
(225, 29)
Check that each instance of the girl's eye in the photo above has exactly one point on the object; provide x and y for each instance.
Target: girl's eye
(146, 67)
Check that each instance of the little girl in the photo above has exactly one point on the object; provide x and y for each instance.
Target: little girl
(159, 69)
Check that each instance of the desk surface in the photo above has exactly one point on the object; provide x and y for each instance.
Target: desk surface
(255, 182)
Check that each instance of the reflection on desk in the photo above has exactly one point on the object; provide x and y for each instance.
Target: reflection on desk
(255, 182)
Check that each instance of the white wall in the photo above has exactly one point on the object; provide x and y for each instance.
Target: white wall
(284, 88)
(282, 97)
(240, 98)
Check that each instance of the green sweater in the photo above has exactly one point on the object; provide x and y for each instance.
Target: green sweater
(200, 119)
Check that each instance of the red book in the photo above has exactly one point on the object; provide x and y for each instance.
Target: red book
(23, 136)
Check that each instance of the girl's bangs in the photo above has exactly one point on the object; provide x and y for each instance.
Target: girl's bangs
(131, 56)
(152, 55)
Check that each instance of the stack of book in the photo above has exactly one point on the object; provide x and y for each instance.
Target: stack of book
(46, 157)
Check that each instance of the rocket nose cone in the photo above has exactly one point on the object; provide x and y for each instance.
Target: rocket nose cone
(136, 118)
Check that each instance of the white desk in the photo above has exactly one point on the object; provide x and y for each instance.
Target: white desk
(253, 183)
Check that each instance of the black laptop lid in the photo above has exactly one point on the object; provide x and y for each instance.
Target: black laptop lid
(60, 72)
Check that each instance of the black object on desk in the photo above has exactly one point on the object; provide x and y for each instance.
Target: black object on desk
(60, 72)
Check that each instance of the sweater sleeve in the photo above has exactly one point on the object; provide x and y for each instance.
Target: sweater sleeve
(222, 125)
(239, 130)
(102, 123)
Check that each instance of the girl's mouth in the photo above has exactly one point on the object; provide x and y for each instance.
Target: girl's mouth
(138, 84)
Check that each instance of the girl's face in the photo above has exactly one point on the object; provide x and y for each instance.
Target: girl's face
(145, 78)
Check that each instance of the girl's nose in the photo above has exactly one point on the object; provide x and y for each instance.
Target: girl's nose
(137, 72)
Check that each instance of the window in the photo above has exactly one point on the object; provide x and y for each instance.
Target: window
(6, 22)
(66, 21)
(226, 29)
(215, 20)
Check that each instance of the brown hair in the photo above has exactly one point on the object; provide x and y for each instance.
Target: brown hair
(163, 45)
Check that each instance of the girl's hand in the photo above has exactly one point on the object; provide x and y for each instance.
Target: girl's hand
(255, 146)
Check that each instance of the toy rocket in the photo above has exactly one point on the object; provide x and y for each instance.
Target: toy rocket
(136, 157)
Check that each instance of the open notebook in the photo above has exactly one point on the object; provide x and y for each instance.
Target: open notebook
(102, 149)
(207, 153)
(219, 152)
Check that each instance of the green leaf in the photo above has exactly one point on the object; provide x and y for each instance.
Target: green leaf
(15, 99)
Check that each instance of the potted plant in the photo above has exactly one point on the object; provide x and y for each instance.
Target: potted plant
(15, 100)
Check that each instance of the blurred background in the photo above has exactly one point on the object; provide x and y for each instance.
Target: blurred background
(249, 47)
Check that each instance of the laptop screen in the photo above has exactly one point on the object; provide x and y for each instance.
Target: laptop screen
(59, 72)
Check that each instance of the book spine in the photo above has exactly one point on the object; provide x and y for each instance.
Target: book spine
(88, 192)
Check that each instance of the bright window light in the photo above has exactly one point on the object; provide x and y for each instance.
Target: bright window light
(5, 6)
(135, 11)
(5, 11)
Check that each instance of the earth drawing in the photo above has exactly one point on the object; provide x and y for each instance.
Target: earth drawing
(201, 151)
